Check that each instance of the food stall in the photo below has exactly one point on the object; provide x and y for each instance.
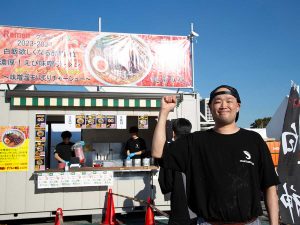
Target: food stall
(126, 92)
(36, 200)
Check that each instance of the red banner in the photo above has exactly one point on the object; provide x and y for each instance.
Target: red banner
(42, 56)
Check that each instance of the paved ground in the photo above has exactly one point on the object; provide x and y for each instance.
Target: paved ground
(127, 219)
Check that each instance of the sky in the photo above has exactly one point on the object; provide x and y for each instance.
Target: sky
(253, 45)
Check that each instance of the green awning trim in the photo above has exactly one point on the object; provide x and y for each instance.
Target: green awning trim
(83, 102)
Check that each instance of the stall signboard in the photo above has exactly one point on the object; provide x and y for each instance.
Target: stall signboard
(74, 179)
(63, 57)
(14, 147)
(143, 122)
(40, 139)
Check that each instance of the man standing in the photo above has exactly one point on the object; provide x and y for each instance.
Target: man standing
(173, 182)
(63, 151)
(135, 146)
(226, 167)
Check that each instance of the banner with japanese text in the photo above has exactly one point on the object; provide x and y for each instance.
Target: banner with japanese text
(62, 57)
(289, 162)
(14, 146)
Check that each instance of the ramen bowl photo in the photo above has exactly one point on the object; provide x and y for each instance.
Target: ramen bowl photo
(118, 59)
(13, 138)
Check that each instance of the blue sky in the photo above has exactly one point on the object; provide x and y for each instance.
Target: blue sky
(253, 45)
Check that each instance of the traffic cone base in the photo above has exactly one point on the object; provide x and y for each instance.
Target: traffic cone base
(59, 217)
(110, 215)
(149, 218)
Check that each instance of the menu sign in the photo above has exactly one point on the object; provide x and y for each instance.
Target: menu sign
(40, 139)
(143, 122)
(14, 146)
(101, 121)
(74, 179)
(80, 121)
(90, 121)
(40, 121)
(111, 122)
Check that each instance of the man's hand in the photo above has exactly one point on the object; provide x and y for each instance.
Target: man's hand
(168, 103)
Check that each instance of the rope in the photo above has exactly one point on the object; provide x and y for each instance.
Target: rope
(144, 202)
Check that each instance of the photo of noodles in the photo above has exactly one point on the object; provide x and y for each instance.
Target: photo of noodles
(118, 59)
(13, 138)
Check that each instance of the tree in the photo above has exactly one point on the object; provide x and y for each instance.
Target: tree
(260, 123)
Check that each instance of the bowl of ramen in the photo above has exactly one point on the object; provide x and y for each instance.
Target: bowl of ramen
(80, 121)
(13, 138)
(118, 59)
(40, 133)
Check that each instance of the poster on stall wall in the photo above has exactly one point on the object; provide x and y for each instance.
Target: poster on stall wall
(40, 139)
(111, 121)
(100, 121)
(80, 121)
(70, 121)
(143, 122)
(14, 147)
(90, 121)
(40, 121)
(121, 122)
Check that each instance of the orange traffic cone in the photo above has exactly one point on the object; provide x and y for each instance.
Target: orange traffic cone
(149, 218)
(59, 220)
(110, 215)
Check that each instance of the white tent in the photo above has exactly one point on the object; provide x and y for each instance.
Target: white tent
(274, 127)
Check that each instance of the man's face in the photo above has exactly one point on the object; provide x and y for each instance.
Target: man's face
(66, 140)
(224, 108)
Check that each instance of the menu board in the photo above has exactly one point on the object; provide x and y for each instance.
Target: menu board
(14, 145)
(143, 122)
(101, 121)
(40, 139)
(111, 121)
(80, 121)
(74, 179)
(90, 121)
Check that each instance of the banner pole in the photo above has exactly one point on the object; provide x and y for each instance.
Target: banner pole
(191, 36)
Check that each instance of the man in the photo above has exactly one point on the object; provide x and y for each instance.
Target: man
(173, 182)
(136, 145)
(63, 151)
(226, 167)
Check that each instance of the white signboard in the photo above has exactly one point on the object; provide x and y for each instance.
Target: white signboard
(74, 179)
(121, 121)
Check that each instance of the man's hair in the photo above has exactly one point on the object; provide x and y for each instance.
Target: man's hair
(181, 126)
(231, 91)
(66, 134)
(133, 130)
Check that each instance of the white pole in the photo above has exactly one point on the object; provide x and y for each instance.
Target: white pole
(99, 24)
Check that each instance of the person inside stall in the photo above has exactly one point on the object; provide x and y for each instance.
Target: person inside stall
(135, 146)
(63, 151)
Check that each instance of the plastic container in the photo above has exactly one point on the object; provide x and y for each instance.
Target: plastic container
(78, 149)
(137, 162)
(146, 161)
(127, 162)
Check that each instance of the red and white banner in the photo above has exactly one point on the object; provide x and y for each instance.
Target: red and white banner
(61, 57)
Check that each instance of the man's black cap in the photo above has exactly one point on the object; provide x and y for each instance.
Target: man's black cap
(231, 91)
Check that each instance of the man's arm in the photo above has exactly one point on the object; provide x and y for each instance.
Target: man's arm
(168, 103)
(271, 202)
(56, 156)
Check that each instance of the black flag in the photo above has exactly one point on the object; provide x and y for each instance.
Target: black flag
(289, 162)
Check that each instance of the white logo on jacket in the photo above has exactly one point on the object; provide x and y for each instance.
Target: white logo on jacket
(248, 157)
